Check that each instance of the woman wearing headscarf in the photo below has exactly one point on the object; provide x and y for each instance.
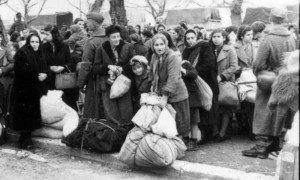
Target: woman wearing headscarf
(28, 87)
(165, 75)
(201, 51)
(112, 59)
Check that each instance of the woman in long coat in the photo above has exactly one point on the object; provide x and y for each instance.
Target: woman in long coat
(6, 77)
(114, 56)
(227, 64)
(30, 74)
(207, 69)
(165, 75)
(58, 57)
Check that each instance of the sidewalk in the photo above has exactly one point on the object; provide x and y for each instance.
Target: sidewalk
(211, 162)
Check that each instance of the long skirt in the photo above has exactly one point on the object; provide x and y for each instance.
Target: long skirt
(182, 118)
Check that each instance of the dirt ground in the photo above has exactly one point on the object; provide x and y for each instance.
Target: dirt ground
(61, 167)
(228, 154)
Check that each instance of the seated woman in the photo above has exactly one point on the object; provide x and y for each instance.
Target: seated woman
(30, 74)
(114, 56)
(165, 75)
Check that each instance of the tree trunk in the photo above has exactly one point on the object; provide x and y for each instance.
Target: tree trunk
(96, 6)
(4, 34)
(236, 19)
(117, 12)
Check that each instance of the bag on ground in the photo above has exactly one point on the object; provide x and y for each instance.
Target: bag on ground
(129, 148)
(120, 87)
(166, 124)
(146, 116)
(97, 135)
(157, 151)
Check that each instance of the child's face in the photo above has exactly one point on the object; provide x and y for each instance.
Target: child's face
(138, 69)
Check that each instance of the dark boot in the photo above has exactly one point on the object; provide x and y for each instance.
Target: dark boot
(28, 141)
(257, 151)
(21, 141)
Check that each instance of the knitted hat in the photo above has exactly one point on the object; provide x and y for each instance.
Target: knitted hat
(138, 58)
(75, 28)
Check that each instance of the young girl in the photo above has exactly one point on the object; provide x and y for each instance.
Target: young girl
(140, 68)
(227, 66)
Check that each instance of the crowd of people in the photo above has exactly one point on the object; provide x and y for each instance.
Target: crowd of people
(155, 59)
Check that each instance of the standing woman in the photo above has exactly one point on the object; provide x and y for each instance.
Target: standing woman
(57, 55)
(138, 29)
(30, 74)
(165, 75)
(178, 38)
(6, 76)
(201, 51)
(227, 66)
(113, 57)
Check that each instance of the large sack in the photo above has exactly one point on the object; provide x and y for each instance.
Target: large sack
(247, 86)
(166, 124)
(146, 116)
(157, 151)
(71, 120)
(120, 87)
(52, 107)
(205, 93)
(48, 132)
(97, 135)
(129, 148)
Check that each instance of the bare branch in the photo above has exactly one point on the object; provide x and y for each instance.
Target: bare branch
(41, 9)
(11, 8)
(76, 7)
(4, 2)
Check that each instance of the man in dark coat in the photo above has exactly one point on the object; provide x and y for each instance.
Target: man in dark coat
(93, 107)
(267, 124)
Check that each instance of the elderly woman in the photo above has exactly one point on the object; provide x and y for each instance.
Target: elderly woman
(200, 54)
(114, 56)
(30, 74)
(165, 75)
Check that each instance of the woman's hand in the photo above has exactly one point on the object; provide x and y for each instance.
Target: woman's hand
(219, 78)
(163, 102)
(183, 70)
(113, 68)
(53, 68)
(59, 69)
(42, 76)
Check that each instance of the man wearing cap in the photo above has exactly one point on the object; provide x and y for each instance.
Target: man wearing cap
(93, 108)
(268, 124)
(18, 25)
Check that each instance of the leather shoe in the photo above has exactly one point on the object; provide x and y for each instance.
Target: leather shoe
(257, 151)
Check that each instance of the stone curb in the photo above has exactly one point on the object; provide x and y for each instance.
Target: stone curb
(177, 169)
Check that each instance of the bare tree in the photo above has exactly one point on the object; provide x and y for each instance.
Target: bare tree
(157, 8)
(117, 12)
(28, 5)
(92, 7)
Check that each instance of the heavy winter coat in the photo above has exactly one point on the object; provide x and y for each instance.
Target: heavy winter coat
(119, 110)
(60, 57)
(227, 62)
(6, 78)
(93, 109)
(27, 89)
(269, 57)
(169, 82)
(207, 70)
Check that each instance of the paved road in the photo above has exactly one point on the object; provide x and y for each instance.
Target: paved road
(60, 167)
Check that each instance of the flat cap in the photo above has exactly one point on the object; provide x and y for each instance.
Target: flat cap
(95, 16)
(279, 12)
